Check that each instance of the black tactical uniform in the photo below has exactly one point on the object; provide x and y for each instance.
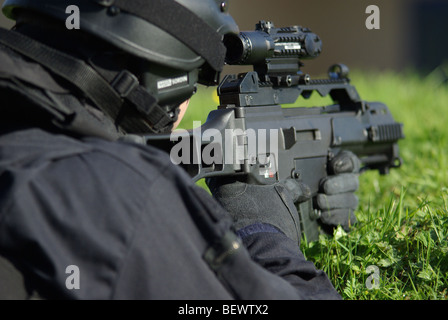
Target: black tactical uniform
(134, 224)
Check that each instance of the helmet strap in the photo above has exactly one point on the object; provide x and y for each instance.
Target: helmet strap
(112, 95)
(181, 23)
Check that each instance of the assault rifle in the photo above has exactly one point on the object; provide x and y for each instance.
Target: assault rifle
(305, 138)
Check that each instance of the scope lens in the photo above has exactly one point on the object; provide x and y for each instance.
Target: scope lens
(235, 48)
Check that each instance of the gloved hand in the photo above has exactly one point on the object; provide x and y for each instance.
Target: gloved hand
(336, 200)
(251, 204)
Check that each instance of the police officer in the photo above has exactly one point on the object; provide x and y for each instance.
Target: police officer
(78, 195)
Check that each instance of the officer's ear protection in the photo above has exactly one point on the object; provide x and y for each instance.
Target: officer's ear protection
(170, 87)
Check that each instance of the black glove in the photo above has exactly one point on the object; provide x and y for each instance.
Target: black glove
(336, 201)
(251, 204)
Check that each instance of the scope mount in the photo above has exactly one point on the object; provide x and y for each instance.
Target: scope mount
(247, 89)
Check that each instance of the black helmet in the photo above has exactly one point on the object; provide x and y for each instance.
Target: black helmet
(181, 40)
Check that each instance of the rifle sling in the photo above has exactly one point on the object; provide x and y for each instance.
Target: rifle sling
(108, 97)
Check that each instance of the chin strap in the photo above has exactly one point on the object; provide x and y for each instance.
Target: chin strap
(113, 96)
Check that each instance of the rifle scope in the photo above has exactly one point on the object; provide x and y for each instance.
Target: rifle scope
(268, 43)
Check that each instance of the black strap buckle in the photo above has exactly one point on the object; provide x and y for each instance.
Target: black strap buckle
(124, 83)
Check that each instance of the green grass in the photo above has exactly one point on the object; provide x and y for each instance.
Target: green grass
(402, 224)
